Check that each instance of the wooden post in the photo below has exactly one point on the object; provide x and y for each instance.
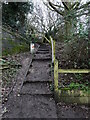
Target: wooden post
(56, 76)
(54, 50)
(51, 40)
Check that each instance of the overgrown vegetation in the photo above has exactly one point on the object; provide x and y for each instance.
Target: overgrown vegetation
(16, 49)
(14, 14)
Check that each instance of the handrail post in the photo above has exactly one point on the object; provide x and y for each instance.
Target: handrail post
(56, 76)
(52, 49)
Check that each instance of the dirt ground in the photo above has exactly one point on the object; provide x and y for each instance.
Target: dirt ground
(9, 75)
(72, 111)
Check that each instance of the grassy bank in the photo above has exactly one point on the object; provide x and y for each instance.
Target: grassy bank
(17, 48)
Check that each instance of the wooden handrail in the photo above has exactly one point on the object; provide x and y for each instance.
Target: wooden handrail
(47, 39)
(53, 49)
(74, 71)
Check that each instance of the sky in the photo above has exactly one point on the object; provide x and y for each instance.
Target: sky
(40, 1)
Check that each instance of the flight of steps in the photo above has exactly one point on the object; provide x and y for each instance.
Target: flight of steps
(37, 85)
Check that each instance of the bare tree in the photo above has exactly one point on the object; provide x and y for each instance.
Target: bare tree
(43, 21)
(69, 11)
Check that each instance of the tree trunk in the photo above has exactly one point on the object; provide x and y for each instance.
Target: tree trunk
(68, 29)
(68, 24)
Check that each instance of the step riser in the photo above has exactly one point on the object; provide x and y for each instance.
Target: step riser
(42, 52)
(42, 49)
(38, 58)
(39, 81)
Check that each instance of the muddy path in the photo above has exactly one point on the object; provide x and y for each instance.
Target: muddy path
(31, 96)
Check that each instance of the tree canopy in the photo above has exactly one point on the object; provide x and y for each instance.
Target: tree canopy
(14, 13)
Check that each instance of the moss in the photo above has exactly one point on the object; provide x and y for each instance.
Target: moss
(87, 92)
(16, 49)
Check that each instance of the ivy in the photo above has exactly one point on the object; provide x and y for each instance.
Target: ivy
(78, 86)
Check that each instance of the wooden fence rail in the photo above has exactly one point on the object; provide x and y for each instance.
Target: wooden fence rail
(73, 71)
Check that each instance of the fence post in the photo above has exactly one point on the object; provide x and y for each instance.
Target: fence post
(54, 50)
(56, 77)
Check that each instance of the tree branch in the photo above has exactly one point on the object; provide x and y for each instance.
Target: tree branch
(83, 6)
(57, 5)
(75, 5)
(60, 12)
(64, 3)
(87, 13)
(48, 6)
